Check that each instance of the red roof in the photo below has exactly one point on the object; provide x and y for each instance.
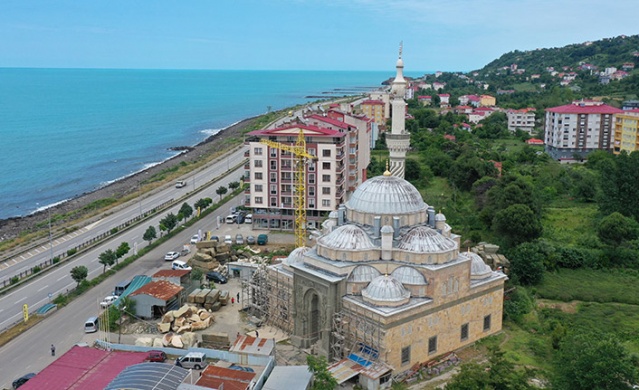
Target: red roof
(449, 137)
(535, 141)
(584, 109)
(160, 289)
(373, 102)
(330, 121)
(171, 273)
(293, 131)
(444, 95)
(83, 368)
(214, 377)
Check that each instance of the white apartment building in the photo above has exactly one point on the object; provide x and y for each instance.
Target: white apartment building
(579, 128)
(521, 119)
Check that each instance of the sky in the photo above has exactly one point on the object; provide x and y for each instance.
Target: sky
(446, 35)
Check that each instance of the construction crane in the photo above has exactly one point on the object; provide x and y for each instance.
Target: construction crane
(299, 151)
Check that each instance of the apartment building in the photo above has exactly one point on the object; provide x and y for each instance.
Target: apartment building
(521, 119)
(576, 129)
(626, 135)
(271, 174)
(374, 109)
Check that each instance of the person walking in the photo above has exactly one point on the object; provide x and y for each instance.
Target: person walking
(52, 350)
(238, 297)
(232, 300)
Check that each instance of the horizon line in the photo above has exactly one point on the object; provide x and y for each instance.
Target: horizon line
(230, 70)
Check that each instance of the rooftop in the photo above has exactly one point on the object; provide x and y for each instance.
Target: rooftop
(160, 289)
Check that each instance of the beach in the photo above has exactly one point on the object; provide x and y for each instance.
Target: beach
(13, 227)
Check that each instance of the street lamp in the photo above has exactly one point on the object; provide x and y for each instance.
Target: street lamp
(122, 309)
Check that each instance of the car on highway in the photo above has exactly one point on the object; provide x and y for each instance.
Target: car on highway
(180, 184)
(156, 356)
(195, 239)
(216, 277)
(171, 256)
(250, 240)
(262, 239)
(228, 239)
(108, 301)
(239, 239)
(22, 380)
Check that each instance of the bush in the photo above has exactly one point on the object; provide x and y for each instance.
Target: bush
(15, 280)
(114, 230)
(36, 269)
(72, 251)
(517, 304)
(55, 260)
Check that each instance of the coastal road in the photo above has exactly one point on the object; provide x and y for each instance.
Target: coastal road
(65, 327)
(196, 180)
(40, 290)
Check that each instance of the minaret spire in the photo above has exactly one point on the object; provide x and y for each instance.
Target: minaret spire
(398, 140)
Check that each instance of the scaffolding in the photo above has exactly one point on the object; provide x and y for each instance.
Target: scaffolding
(357, 333)
(267, 297)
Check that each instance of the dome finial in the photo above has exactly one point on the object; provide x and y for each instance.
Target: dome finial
(387, 172)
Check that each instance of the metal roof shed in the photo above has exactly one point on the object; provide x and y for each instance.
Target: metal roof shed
(149, 376)
(289, 377)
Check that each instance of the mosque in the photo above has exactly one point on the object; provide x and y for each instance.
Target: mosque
(386, 285)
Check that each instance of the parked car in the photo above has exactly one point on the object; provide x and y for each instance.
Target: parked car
(196, 360)
(171, 256)
(22, 380)
(231, 218)
(240, 368)
(156, 356)
(195, 239)
(250, 240)
(262, 239)
(239, 239)
(108, 301)
(214, 238)
(248, 218)
(228, 239)
(216, 277)
(178, 264)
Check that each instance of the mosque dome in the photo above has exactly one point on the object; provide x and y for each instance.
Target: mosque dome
(363, 273)
(409, 275)
(478, 269)
(385, 290)
(423, 239)
(386, 195)
(349, 237)
(440, 217)
(296, 256)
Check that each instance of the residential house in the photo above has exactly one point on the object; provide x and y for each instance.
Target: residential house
(374, 109)
(626, 136)
(425, 100)
(438, 85)
(521, 119)
(487, 101)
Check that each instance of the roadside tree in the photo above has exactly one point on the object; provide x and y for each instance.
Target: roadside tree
(107, 258)
(221, 191)
(150, 234)
(186, 210)
(122, 250)
(79, 273)
(169, 222)
(234, 185)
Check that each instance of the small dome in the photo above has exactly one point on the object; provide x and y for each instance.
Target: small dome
(423, 239)
(363, 273)
(349, 237)
(386, 195)
(478, 269)
(296, 256)
(409, 275)
(387, 229)
(333, 214)
(440, 217)
(385, 291)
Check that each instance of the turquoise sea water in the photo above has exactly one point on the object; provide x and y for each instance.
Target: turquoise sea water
(65, 132)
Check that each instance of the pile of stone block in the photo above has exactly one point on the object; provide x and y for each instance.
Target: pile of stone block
(186, 340)
(488, 253)
(186, 319)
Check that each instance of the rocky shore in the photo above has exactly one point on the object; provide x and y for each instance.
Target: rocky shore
(12, 227)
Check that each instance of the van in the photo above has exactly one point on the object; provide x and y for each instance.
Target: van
(120, 287)
(179, 264)
(196, 360)
(231, 218)
(91, 325)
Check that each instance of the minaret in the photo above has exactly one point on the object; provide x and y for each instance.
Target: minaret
(398, 140)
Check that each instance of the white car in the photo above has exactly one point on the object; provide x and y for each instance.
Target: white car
(108, 301)
(171, 256)
(228, 239)
(195, 239)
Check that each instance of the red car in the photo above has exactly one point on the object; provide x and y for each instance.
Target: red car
(156, 356)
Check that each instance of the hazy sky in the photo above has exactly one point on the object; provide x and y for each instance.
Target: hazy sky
(297, 34)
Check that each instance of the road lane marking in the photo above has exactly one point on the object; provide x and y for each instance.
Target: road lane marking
(59, 279)
(43, 288)
(19, 300)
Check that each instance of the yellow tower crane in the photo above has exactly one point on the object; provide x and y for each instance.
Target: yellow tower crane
(299, 151)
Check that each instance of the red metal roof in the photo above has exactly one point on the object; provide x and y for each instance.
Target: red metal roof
(83, 368)
(214, 377)
(373, 102)
(160, 289)
(169, 273)
(293, 131)
(584, 109)
(330, 121)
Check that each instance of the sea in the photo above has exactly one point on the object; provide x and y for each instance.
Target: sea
(66, 132)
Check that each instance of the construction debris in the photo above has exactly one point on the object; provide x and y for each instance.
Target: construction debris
(185, 319)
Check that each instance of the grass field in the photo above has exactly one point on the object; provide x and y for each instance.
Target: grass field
(570, 224)
(615, 285)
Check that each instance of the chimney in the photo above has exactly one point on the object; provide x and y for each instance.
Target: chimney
(395, 227)
(431, 216)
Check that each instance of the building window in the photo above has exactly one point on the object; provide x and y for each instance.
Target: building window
(257, 163)
(464, 332)
(258, 175)
(326, 190)
(432, 345)
(257, 151)
(273, 202)
(326, 165)
(405, 355)
(273, 177)
(258, 200)
(311, 151)
(273, 189)
(326, 153)
(311, 178)
(273, 165)
(311, 191)
(326, 203)
(487, 323)
(258, 188)
(326, 178)
(273, 152)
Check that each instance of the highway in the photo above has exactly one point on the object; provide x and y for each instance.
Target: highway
(40, 290)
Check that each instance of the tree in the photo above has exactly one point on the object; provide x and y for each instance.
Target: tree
(186, 210)
(150, 234)
(221, 191)
(107, 258)
(588, 360)
(233, 185)
(122, 250)
(527, 264)
(615, 229)
(323, 380)
(517, 224)
(169, 222)
(79, 273)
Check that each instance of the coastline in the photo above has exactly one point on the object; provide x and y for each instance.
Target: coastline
(13, 227)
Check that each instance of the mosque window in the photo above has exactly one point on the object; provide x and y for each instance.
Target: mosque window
(405, 355)
(432, 345)
(464, 332)
(487, 323)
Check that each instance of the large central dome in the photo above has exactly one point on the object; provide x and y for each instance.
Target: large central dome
(386, 195)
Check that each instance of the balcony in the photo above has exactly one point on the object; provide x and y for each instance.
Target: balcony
(247, 154)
